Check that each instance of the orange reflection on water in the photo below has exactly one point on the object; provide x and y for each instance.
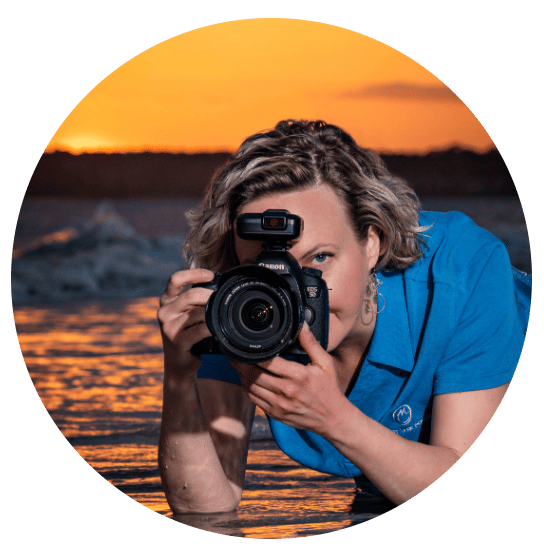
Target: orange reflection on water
(99, 358)
(59, 236)
(97, 367)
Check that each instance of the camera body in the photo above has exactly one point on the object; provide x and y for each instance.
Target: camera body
(256, 311)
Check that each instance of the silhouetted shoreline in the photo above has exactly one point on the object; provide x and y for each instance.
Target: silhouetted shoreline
(453, 172)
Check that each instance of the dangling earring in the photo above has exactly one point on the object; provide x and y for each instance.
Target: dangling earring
(373, 292)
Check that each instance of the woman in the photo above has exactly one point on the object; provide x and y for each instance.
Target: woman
(427, 321)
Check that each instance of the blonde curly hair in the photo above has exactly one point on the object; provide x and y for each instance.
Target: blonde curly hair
(298, 155)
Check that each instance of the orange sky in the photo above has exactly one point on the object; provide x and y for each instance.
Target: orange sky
(208, 89)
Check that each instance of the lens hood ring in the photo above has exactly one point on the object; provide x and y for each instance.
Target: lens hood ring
(225, 315)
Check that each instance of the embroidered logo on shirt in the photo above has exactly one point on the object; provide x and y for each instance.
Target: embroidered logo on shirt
(403, 415)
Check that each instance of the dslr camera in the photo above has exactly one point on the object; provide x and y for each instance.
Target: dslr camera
(256, 311)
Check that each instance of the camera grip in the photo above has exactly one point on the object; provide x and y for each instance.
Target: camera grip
(207, 345)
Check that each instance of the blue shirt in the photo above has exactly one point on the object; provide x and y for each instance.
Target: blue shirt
(454, 321)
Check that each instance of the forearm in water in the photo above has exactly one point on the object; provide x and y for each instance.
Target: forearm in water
(191, 471)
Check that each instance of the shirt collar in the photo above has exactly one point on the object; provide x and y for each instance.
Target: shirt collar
(391, 342)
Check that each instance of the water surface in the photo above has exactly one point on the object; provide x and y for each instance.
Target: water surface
(97, 367)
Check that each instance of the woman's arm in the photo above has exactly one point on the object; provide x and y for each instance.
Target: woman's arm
(204, 439)
(206, 424)
(401, 468)
(309, 398)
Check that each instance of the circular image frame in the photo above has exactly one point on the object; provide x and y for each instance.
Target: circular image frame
(48, 434)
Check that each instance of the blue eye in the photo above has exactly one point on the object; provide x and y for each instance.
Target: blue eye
(321, 258)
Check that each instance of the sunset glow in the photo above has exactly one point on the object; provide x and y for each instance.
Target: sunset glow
(81, 143)
(208, 89)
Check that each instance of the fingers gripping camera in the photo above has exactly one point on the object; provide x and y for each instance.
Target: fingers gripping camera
(257, 311)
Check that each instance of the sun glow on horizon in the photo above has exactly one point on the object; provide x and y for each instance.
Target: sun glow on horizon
(85, 143)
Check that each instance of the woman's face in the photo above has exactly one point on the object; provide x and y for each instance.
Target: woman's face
(328, 243)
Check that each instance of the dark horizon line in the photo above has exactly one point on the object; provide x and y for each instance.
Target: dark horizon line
(451, 148)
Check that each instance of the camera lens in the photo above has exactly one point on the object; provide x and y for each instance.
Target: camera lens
(257, 315)
(253, 315)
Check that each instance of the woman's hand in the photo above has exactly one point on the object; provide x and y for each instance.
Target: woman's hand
(182, 321)
(304, 397)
